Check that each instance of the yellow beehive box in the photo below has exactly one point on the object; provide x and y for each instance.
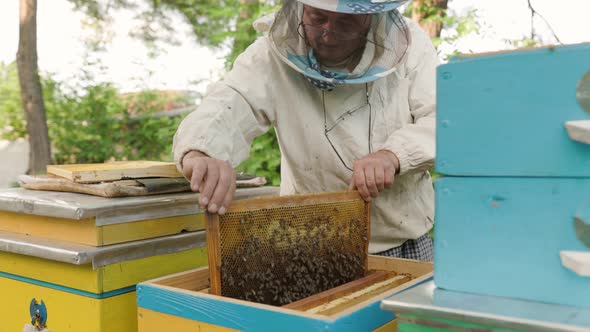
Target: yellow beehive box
(181, 302)
(99, 221)
(86, 288)
(81, 256)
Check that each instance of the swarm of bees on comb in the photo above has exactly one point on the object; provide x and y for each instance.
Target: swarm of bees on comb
(280, 255)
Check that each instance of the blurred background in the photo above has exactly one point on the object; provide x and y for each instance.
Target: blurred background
(111, 79)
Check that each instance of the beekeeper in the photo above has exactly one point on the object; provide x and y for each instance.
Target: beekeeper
(349, 87)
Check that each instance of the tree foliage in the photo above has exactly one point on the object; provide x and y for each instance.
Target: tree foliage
(91, 124)
(214, 23)
(12, 117)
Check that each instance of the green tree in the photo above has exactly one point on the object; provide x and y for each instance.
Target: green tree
(434, 17)
(30, 88)
(12, 117)
(429, 14)
(95, 123)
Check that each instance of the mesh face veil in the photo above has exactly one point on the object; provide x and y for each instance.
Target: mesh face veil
(383, 48)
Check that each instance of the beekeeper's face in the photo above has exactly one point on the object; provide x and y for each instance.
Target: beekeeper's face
(334, 36)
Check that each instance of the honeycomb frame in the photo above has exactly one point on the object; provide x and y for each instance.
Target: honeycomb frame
(277, 250)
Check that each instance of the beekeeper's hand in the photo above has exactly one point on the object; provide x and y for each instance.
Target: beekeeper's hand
(214, 179)
(373, 173)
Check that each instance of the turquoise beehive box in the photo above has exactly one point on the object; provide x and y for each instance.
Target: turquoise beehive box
(513, 141)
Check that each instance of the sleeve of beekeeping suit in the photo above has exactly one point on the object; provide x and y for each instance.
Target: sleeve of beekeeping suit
(414, 144)
(234, 111)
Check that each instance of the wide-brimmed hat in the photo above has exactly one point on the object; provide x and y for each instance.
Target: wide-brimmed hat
(355, 6)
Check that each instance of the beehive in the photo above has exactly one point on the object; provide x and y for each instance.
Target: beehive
(281, 249)
(516, 179)
(182, 302)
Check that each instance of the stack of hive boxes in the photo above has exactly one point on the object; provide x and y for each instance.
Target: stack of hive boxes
(75, 259)
(514, 205)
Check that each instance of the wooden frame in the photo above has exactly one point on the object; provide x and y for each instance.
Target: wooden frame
(212, 222)
(334, 293)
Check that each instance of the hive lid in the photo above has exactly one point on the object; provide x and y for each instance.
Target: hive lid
(79, 254)
(108, 211)
(426, 300)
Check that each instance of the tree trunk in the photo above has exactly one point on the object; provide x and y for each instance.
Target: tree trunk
(428, 14)
(31, 92)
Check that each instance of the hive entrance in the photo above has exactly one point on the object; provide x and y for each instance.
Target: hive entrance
(282, 249)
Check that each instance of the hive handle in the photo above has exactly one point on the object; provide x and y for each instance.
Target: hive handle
(579, 131)
(576, 261)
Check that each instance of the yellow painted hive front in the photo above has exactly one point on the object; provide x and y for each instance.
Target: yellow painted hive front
(83, 297)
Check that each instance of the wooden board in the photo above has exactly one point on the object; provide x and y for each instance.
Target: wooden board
(408, 267)
(214, 256)
(370, 290)
(88, 173)
(120, 188)
(153, 321)
(340, 291)
(291, 200)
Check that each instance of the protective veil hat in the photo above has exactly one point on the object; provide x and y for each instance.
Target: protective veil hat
(386, 46)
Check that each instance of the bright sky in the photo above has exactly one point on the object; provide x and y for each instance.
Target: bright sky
(127, 64)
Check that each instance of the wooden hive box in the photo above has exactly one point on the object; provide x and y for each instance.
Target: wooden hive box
(515, 198)
(86, 288)
(50, 251)
(182, 302)
(99, 221)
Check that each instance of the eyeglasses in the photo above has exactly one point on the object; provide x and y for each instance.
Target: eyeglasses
(342, 118)
(340, 35)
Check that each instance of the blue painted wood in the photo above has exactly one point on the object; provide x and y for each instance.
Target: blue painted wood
(245, 317)
(504, 114)
(367, 319)
(68, 289)
(502, 237)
